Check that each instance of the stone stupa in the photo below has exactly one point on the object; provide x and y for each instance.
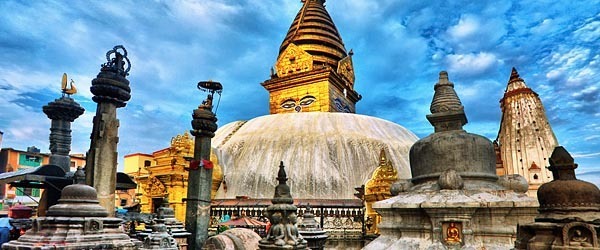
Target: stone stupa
(569, 211)
(455, 199)
(76, 222)
(283, 233)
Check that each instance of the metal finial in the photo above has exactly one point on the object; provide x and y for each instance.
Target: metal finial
(67, 90)
(118, 62)
(211, 87)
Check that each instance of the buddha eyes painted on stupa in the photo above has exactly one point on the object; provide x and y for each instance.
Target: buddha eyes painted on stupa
(307, 100)
(288, 104)
(297, 106)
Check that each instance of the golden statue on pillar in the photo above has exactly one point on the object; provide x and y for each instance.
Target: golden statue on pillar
(71, 89)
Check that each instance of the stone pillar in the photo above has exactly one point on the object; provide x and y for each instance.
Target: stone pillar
(197, 214)
(62, 112)
(111, 91)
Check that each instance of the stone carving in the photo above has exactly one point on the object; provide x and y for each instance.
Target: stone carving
(283, 233)
(76, 222)
(569, 211)
(577, 234)
(93, 226)
(311, 231)
(155, 187)
(450, 179)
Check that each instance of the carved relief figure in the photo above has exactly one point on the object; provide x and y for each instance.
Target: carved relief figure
(276, 232)
(292, 232)
(452, 234)
(579, 239)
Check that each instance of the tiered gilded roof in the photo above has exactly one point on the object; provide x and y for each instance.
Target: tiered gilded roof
(313, 30)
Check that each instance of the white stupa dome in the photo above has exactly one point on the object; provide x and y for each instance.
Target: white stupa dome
(326, 154)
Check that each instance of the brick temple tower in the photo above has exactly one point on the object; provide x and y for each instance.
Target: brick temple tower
(525, 140)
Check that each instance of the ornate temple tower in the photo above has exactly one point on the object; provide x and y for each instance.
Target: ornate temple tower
(525, 140)
(313, 71)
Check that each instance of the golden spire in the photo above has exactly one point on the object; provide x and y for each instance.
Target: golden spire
(385, 173)
(71, 89)
(382, 157)
(314, 32)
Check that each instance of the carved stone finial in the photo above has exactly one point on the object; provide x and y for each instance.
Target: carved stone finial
(562, 164)
(282, 191)
(447, 112)
(281, 175)
(79, 176)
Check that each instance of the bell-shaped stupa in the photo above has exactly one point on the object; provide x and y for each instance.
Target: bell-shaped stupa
(454, 200)
(76, 222)
(569, 211)
(313, 126)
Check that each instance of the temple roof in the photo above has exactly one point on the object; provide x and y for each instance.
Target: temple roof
(515, 84)
(313, 30)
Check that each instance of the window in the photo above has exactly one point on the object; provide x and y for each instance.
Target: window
(34, 192)
(123, 202)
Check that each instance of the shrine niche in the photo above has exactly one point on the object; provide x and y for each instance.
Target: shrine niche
(452, 233)
(293, 60)
(155, 187)
(577, 234)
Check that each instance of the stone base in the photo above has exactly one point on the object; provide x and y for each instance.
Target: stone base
(479, 219)
(65, 233)
(558, 236)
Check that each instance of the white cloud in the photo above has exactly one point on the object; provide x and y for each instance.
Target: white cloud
(467, 26)
(475, 33)
(546, 26)
(471, 64)
(206, 15)
(589, 32)
(585, 155)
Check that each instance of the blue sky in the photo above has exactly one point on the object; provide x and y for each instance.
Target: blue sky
(400, 46)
